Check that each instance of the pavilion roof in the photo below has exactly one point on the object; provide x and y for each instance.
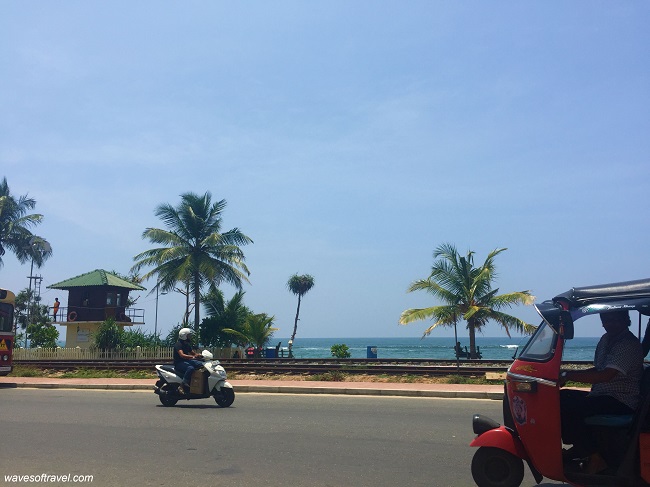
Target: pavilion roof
(98, 277)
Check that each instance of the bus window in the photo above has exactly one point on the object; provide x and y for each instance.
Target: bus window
(6, 317)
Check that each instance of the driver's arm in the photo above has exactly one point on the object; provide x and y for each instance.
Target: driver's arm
(186, 356)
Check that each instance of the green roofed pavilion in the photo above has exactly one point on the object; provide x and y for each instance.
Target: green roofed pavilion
(94, 297)
(98, 277)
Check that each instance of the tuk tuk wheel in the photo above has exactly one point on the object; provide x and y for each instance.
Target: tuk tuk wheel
(493, 467)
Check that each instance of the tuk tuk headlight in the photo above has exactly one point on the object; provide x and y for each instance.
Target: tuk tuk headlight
(524, 386)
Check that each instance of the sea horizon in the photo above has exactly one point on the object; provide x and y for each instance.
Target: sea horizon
(434, 348)
(418, 348)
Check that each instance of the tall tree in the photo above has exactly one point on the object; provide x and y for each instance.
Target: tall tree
(256, 330)
(34, 318)
(193, 250)
(298, 285)
(467, 294)
(222, 315)
(15, 224)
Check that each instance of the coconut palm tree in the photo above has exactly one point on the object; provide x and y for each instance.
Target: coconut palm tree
(222, 315)
(467, 293)
(256, 330)
(15, 223)
(298, 285)
(193, 250)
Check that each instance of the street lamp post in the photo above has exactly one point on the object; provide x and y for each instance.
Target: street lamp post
(155, 326)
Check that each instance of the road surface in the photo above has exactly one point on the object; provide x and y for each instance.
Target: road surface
(127, 438)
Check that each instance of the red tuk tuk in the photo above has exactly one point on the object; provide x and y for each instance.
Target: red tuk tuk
(531, 407)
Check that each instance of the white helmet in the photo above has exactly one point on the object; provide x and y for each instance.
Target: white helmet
(184, 333)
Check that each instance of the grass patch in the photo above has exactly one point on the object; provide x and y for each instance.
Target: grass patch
(410, 379)
(459, 379)
(20, 371)
(107, 374)
(333, 376)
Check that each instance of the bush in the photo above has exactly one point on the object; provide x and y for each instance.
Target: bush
(109, 335)
(42, 335)
(340, 351)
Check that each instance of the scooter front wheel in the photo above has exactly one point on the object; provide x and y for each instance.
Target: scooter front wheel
(493, 467)
(225, 398)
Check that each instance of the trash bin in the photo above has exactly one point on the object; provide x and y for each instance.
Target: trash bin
(372, 352)
(271, 352)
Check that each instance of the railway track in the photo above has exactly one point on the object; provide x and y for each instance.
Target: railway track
(431, 368)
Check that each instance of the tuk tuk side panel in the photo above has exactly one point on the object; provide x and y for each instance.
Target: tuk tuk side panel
(536, 414)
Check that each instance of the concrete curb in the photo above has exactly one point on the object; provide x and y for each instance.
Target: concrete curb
(371, 392)
(276, 389)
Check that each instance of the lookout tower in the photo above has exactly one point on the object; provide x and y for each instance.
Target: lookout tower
(93, 298)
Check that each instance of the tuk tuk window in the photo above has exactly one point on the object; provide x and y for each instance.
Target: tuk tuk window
(542, 344)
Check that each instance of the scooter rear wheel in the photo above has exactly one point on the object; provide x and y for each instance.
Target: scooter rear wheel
(166, 399)
(493, 467)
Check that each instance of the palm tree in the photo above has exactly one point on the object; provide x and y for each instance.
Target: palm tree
(298, 285)
(15, 222)
(256, 331)
(222, 315)
(467, 293)
(193, 251)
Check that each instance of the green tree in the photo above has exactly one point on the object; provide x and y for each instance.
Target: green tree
(257, 330)
(298, 285)
(340, 350)
(29, 312)
(15, 224)
(109, 336)
(222, 315)
(42, 335)
(135, 337)
(193, 250)
(467, 293)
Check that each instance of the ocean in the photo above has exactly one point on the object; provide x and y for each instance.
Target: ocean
(440, 348)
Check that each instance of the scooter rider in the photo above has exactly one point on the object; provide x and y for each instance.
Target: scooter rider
(185, 355)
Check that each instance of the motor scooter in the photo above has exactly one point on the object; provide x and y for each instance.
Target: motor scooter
(531, 431)
(207, 381)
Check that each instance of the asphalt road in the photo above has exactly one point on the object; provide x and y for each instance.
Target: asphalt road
(128, 439)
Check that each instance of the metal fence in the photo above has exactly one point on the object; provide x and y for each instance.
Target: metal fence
(137, 353)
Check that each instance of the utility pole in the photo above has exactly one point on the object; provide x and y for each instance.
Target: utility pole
(36, 244)
(37, 281)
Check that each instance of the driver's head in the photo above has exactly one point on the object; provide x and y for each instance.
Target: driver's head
(615, 321)
(185, 333)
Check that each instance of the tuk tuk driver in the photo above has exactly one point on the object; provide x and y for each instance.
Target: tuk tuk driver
(615, 379)
(184, 357)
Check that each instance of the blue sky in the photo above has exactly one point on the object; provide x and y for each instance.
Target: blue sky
(349, 139)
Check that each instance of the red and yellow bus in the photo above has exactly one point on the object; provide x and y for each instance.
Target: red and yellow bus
(7, 334)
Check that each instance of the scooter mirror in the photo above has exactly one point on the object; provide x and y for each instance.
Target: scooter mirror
(567, 322)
